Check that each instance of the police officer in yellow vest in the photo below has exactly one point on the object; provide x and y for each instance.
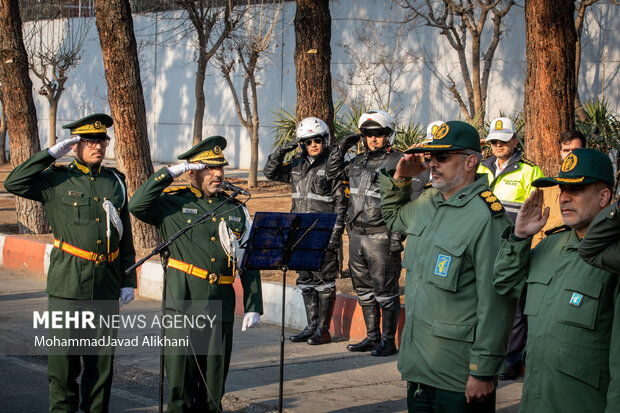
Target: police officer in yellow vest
(201, 268)
(510, 178)
(81, 200)
(573, 309)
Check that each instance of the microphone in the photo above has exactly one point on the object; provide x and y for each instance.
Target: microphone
(227, 186)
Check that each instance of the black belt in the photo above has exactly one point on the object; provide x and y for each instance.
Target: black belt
(369, 230)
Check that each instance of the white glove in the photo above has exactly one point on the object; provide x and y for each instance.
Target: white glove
(180, 169)
(62, 148)
(126, 295)
(250, 320)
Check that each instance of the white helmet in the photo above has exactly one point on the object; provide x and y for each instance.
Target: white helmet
(430, 129)
(378, 119)
(311, 127)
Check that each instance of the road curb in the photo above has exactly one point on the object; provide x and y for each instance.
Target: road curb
(347, 322)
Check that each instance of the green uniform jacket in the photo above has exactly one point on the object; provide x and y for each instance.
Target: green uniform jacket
(601, 245)
(201, 247)
(456, 324)
(572, 354)
(72, 197)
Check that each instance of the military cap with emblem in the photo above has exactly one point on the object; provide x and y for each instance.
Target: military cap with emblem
(95, 126)
(450, 136)
(208, 152)
(582, 166)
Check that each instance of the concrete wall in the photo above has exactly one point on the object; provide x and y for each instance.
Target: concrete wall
(168, 70)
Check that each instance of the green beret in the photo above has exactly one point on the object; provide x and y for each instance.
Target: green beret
(450, 136)
(581, 166)
(95, 125)
(208, 152)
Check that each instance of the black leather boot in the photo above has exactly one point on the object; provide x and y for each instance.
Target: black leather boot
(389, 322)
(311, 302)
(327, 299)
(373, 336)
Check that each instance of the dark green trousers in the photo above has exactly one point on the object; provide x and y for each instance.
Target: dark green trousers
(426, 399)
(187, 391)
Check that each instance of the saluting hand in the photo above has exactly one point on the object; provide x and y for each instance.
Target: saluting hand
(409, 165)
(531, 218)
(62, 148)
(180, 169)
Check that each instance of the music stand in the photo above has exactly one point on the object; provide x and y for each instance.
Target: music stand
(287, 241)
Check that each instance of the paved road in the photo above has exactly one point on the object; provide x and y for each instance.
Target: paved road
(317, 378)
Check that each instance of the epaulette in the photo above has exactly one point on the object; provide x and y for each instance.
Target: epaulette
(527, 161)
(176, 189)
(556, 230)
(286, 164)
(492, 202)
(428, 185)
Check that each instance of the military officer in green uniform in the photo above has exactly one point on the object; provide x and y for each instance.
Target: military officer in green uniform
(200, 268)
(456, 326)
(81, 200)
(601, 245)
(572, 355)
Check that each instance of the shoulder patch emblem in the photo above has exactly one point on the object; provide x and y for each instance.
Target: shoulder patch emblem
(527, 161)
(557, 230)
(347, 192)
(492, 202)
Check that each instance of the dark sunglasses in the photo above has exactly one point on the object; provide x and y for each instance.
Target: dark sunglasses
(444, 156)
(309, 142)
(367, 133)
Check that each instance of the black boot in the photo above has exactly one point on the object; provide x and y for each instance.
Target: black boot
(389, 322)
(311, 302)
(327, 299)
(371, 319)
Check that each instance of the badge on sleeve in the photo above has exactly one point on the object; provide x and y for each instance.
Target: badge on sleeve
(442, 265)
(576, 299)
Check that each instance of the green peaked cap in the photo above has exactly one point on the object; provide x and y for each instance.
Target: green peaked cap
(95, 124)
(581, 166)
(209, 152)
(450, 136)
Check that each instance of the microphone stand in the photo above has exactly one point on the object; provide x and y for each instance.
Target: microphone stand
(164, 252)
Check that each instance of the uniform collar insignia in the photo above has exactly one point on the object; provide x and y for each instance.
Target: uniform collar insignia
(195, 191)
(85, 169)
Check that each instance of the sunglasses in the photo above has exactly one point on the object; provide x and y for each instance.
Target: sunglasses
(444, 156)
(92, 143)
(309, 142)
(367, 133)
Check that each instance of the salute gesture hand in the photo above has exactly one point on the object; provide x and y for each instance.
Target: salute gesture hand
(531, 218)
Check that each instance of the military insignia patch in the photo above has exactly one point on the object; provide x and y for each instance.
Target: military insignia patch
(234, 219)
(441, 132)
(576, 299)
(486, 194)
(499, 125)
(442, 265)
(569, 163)
(190, 211)
(492, 202)
(347, 192)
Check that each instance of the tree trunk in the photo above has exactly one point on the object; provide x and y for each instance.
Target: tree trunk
(122, 71)
(253, 175)
(550, 80)
(2, 132)
(199, 89)
(579, 110)
(52, 121)
(312, 61)
(21, 114)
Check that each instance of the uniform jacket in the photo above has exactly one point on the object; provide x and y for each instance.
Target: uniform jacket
(362, 172)
(311, 190)
(514, 184)
(601, 245)
(72, 197)
(456, 324)
(201, 247)
(573, 316)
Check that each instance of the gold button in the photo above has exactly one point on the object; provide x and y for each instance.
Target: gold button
(92, 179)
(75, 204)
(214, 219)
(189, 220)
(222, 218)
(212, 259)
(97, 220)
(213, 239)
(105, 199)
(210, 201)
(96, 199)
(98, 241)
(119, 210)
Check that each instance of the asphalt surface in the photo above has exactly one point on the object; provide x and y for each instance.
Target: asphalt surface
(324, 378)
